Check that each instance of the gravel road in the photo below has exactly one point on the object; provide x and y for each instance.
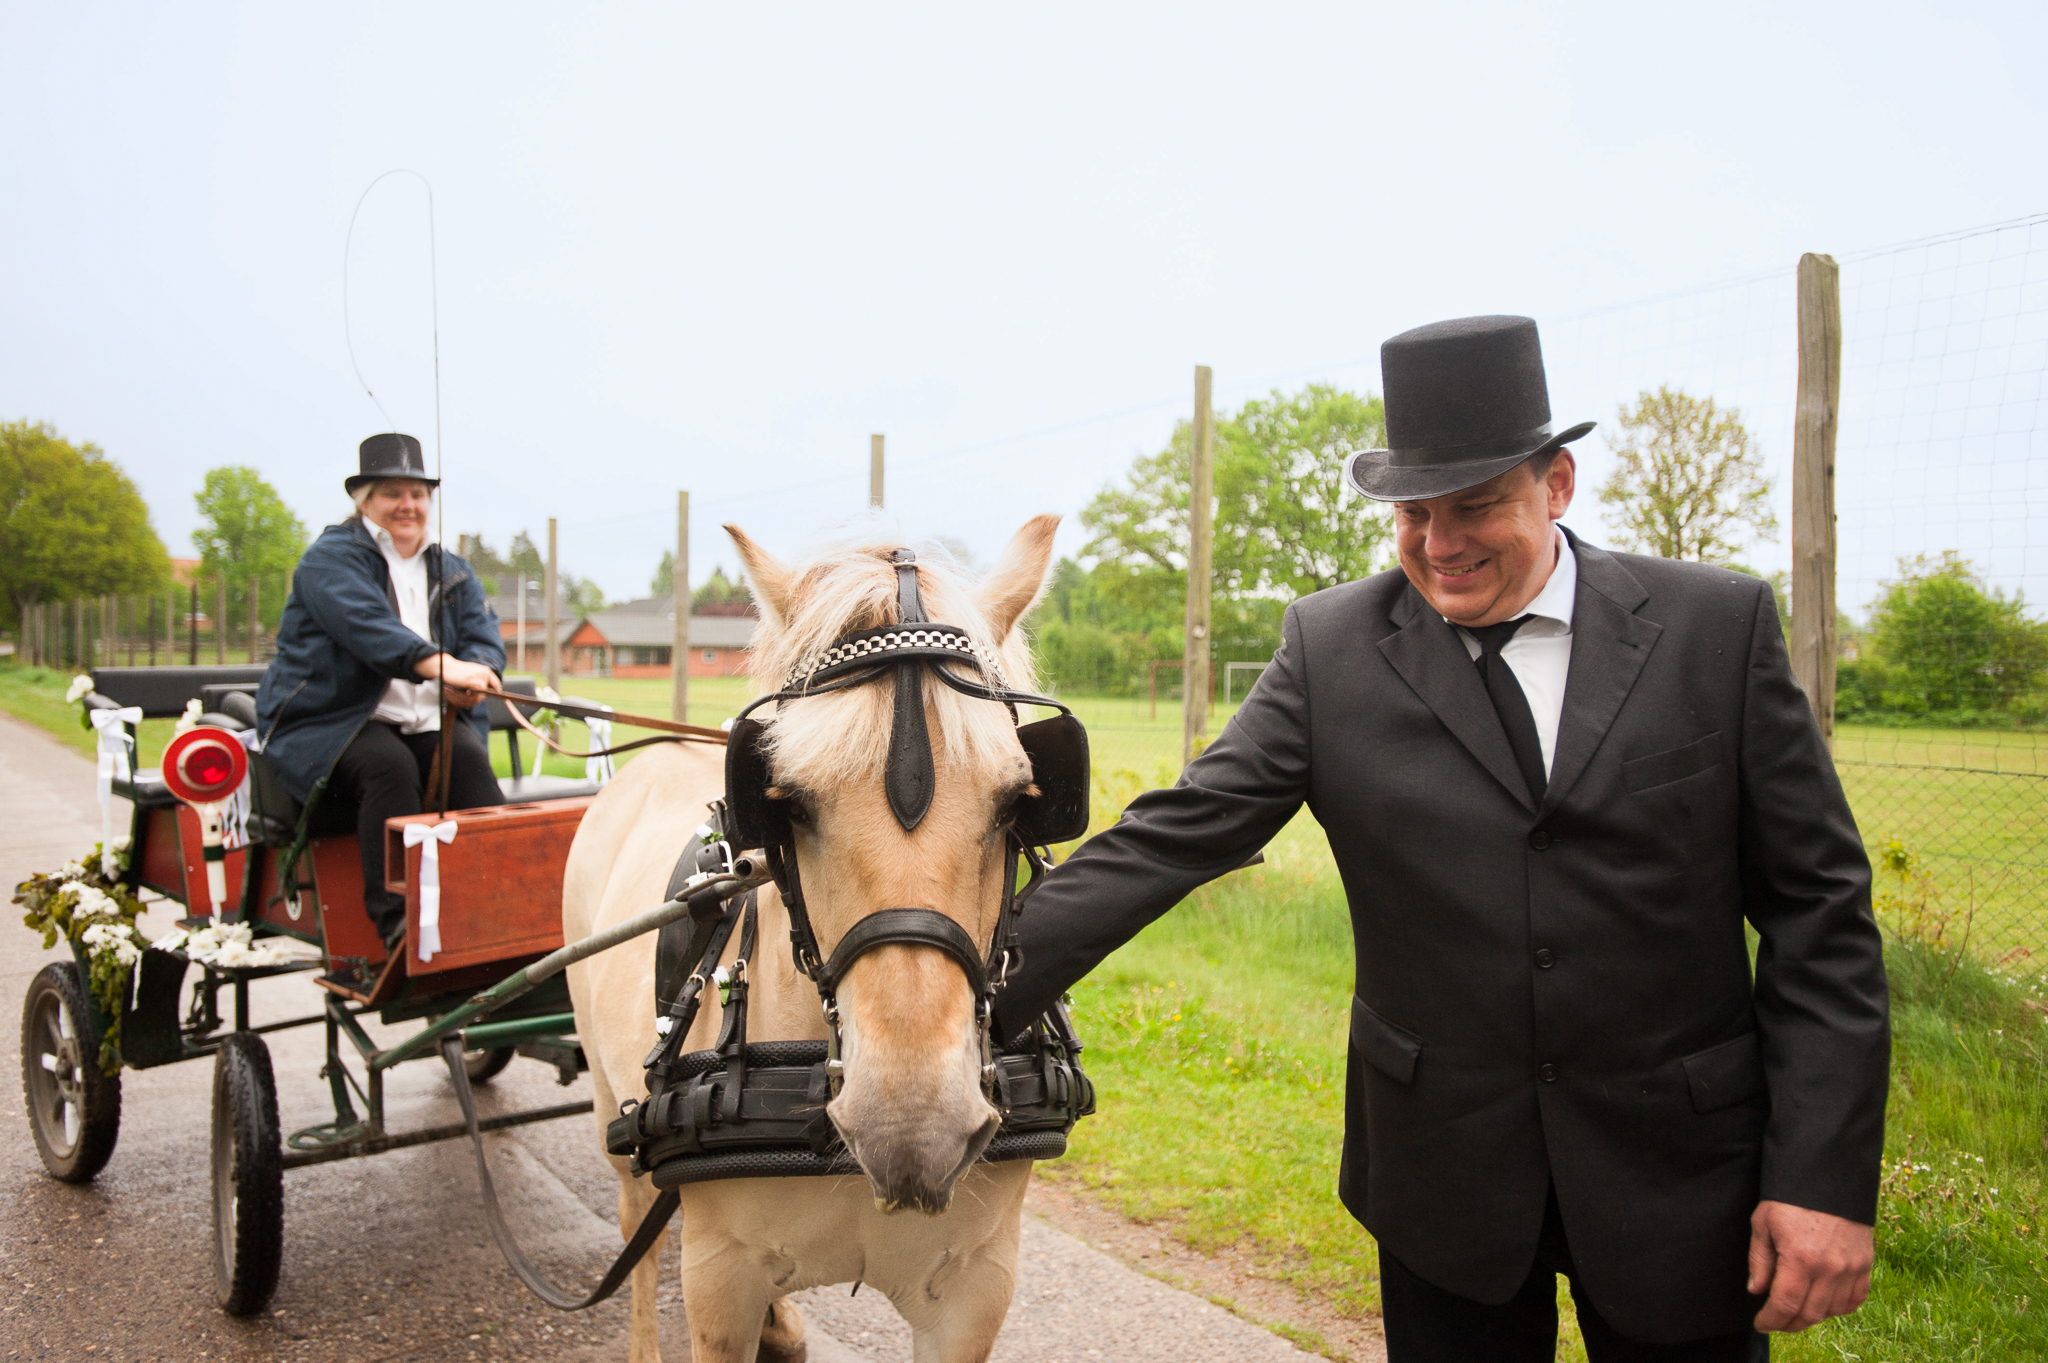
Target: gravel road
(389, 1258)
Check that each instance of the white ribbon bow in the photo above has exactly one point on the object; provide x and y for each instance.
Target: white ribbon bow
(599, 768)
(111, 726)
(428, 838)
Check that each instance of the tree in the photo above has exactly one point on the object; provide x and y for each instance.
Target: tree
(71, 522)
(1946, 643)
(1687, 474)
(1290, 525)
(722, 595)
(1284, 523)
(247, 534)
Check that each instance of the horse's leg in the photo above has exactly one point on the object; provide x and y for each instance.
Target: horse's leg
(635, 1196)
(782, 1336)
(961, 1325)
(726, 1294)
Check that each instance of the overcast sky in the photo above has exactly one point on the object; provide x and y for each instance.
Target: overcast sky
(715, 248)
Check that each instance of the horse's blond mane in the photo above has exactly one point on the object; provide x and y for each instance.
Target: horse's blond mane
(823, 741)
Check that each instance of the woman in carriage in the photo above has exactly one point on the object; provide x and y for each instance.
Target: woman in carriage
(379, 627)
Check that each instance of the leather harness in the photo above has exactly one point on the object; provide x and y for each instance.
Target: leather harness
(757, 1109)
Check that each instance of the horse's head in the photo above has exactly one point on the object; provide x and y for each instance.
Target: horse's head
(911, 1107)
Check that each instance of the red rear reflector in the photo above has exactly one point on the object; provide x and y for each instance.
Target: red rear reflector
(208, 766)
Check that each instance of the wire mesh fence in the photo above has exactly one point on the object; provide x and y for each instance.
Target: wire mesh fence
(1942, 498)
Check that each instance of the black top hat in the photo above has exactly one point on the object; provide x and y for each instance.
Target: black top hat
(1466, 401)
(389, 456)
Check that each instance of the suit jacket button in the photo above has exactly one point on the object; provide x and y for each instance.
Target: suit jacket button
(1539, 840)
(1547, 1073)
(1544, 960)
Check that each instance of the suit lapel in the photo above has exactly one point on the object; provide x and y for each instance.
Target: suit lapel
(1610, 644)
(1432, 659)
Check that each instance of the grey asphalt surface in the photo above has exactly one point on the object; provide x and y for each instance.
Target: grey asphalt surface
(389, 1257)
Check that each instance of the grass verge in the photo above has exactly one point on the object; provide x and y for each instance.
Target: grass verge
(1217, 1043)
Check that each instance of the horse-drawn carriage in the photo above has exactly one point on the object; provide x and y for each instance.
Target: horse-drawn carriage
(498, 886)
(482, 967)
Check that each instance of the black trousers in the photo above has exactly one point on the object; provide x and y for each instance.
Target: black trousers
(1426, 1324)
(381, 775)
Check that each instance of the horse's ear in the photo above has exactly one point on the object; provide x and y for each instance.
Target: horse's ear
(1018, 579)
(769, 574)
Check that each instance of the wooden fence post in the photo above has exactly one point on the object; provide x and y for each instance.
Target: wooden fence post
(220, 619)
(255, 616)
(1813, 485)
(552, 604)
(679, 586)
(192, 626)
(1194, 677)
(875, 471)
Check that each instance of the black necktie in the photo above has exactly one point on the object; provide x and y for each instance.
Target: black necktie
(1510, 703)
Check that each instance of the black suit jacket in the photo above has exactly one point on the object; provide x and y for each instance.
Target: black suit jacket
(1556, 993)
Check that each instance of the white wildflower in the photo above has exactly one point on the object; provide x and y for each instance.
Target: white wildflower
(230, 945)
(87, 902)
(113, 939)
(171, 940)
(70, 870)
(187, 721)
(81, 687)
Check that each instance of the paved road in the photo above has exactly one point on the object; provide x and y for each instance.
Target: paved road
(389, 1258)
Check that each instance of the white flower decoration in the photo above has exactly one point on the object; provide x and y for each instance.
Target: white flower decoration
(81, 687)
(187, 721)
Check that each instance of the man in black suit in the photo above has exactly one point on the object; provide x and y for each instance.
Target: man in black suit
(1556, 782)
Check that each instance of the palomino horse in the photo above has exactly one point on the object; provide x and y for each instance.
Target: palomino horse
(930, 1228)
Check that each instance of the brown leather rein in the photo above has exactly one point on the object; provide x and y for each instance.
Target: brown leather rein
(670, 731)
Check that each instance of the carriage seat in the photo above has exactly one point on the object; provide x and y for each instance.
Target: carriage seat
(521, 787)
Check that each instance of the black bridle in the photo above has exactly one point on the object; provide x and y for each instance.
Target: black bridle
(1054, 810)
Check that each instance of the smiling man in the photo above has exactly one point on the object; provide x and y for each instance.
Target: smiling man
(1557, 783)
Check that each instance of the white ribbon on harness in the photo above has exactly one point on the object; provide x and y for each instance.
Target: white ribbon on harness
(428, 838)
(114, 742)
(595, 767)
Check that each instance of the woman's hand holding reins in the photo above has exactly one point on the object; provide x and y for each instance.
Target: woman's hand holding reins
(459, 680)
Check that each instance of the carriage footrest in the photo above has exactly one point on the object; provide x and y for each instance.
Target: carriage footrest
(787, 1163)
(329, 1134)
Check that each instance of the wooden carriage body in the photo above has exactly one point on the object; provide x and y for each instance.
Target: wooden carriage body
(500, 876)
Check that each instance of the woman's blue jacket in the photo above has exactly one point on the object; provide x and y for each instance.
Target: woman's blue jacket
(341, 641)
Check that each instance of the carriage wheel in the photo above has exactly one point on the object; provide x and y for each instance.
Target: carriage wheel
(483, 1066)
(248, 1176)
(74, 1109)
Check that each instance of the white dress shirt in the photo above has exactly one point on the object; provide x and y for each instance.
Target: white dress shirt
(415, 706)
(1540, 654)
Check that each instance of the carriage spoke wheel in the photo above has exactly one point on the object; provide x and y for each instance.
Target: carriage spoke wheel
(74, 1109)
(248, 1176)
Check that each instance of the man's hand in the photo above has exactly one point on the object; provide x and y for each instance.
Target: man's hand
(1813, 1265)
(458, 679)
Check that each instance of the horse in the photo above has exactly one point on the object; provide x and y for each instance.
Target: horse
(928, 1226)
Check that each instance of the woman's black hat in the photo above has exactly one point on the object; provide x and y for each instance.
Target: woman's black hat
(389, 456)
(1466, 401)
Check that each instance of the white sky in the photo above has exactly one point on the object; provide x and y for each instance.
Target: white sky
(714, 248)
